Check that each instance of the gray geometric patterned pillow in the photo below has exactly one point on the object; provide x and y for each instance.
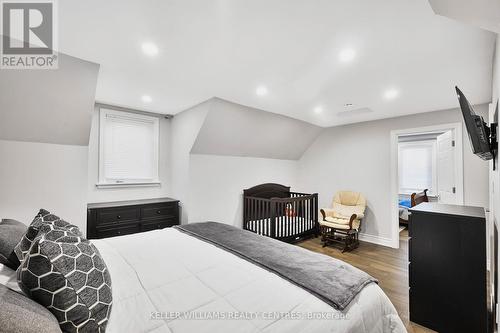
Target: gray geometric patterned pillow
(42, 218)
(67, 275)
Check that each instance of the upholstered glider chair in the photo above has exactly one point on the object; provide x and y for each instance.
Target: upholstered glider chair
(342, 221)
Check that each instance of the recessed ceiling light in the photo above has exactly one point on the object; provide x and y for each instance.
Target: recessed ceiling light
(318, 109)
(146, 99)
(347, 55)
(261, 91)
(391, 94)
(149, 49)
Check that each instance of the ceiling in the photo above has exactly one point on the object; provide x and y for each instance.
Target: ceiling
(252, 133)
(230, 48)
(482, 13)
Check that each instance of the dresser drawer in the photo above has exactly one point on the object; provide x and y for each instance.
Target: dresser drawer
(410, 223)
(410, 276)
(117, 214)
(117, 230)
(158, 224)
(129, 217)
(410, 258)
(159, 211)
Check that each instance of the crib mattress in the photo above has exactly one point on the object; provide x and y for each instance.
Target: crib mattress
(284, 227)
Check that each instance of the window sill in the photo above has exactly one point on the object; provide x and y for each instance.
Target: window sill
(124, 185)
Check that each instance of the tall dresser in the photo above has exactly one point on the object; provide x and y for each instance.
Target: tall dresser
(447, 268)
(110, 219)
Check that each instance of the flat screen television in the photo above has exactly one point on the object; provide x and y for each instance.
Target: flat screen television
(478, 130)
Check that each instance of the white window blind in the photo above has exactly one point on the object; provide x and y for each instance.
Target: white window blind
(417, 166)
(128, 148)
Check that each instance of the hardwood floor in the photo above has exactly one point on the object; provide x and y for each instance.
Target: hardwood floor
(388, 265)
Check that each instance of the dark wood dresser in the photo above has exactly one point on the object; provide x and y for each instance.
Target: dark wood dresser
(447, 268)
(109, 219)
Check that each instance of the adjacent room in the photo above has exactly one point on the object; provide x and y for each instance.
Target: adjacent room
(231, 166)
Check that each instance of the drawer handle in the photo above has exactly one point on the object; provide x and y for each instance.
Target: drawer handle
(119, 232)
(118, 217)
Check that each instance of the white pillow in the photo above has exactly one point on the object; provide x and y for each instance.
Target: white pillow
(8, 278)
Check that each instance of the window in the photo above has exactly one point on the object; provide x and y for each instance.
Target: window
(417, 166)
(128, 149)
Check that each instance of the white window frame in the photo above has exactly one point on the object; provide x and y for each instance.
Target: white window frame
(423, 143)
(104, 182)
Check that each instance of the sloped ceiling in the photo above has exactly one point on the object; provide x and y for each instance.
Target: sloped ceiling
(235, 130)
(49, 106)
(228, 48)
(481, 13)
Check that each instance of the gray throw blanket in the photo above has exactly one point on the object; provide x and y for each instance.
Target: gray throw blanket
(333, 281)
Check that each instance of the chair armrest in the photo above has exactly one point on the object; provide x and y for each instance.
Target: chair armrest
(353, 217)
(327, 212)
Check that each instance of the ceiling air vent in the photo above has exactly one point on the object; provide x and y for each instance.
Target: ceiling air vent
(354, 112)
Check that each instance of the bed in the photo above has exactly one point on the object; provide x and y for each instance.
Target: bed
(198, 277)
(274, 211)
(406, 204)
(162, 277)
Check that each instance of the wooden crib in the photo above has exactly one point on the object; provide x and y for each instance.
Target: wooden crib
(272, 210)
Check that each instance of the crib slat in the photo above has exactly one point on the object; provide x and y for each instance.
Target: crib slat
(308, 215)
(297, 217)
(294, 218)
(244, 211)
(302, 213)
(253, 215)
(261, 221)
(278, 219)
(265, 219)
(301, 219)
(259, 215)
(272, 222)
(289, 225)
(268, 218)
(282, 220)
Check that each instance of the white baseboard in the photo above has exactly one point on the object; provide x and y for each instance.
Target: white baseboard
(384, 241)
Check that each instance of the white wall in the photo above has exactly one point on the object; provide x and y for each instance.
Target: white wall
(216, 184)
(127, 193)
(41, 175)
(45, 120)
(50, 106)
(184, 130)
(357, 157)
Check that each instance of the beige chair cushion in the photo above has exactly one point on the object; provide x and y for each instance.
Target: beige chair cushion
(346, 203)
(349, 198)
(347, 211)
(339, 223)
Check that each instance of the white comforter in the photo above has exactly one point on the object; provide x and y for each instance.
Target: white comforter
(161, 278)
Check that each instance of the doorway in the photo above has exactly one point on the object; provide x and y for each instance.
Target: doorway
(426, 158)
